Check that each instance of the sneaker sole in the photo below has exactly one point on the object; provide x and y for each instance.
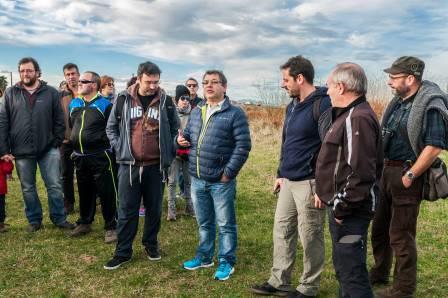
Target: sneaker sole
(266, 293)
(154, 259)
(227, 277)
(200, 266)
(116, 267)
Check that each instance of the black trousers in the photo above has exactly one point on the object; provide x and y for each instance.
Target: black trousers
(135, 182)
(349, 241)
(2, 209)
(67, 173)
(97, 174)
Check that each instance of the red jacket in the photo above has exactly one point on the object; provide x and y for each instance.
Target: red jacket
(5, 169)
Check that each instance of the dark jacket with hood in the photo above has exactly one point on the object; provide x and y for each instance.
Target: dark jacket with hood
(119, 127)
(300, 138)
(350, 161)
(220, 145)
(30, 130)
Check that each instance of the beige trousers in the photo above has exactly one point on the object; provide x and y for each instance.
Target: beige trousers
(295, 217)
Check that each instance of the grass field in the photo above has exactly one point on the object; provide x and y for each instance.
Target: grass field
(50, 264)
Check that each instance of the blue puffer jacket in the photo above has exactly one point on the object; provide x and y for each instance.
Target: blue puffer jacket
(220, 146)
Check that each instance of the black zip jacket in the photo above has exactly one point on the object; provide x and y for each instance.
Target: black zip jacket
(88, 122)
(30, 131)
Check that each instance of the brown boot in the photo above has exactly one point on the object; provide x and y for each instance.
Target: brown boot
(80, 230)
(3, 227)
(110, 236)
(390, 292)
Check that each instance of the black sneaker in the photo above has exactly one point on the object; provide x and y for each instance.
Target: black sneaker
(267, 290)
(297, 294)
(116, 262)
(153, 253)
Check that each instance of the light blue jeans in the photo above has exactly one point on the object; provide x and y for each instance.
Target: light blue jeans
(214, 203)
(49, 166)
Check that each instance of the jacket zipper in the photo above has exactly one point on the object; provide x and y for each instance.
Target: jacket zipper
(80, 131)
(128, 133)
(202, 135)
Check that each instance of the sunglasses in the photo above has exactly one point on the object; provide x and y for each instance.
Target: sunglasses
(86, 82)
(192, 85)
(184, 97)
(110, 84)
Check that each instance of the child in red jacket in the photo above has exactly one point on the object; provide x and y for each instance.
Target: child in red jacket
(6, 168)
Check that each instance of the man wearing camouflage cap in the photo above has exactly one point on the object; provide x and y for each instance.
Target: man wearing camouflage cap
(414, 129)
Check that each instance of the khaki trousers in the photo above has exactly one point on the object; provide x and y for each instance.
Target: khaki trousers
(295, 217)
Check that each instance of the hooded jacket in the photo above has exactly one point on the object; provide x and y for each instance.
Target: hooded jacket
(350, 161)
(119, 128)
(30, 131)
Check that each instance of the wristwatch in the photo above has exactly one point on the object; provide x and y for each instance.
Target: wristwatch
(410, 175)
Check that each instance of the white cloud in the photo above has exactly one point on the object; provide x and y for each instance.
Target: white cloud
(248, 39)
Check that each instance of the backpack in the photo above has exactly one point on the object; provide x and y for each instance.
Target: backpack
(323, 119)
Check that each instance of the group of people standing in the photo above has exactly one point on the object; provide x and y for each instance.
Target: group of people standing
(123, 150)
(334, 155)
(343, 159)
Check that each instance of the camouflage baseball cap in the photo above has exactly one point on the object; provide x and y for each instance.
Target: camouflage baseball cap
(407, 64)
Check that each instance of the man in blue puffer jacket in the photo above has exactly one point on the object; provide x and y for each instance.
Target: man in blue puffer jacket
(219, 140)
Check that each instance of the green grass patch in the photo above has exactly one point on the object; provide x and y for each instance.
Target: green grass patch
(50, 264)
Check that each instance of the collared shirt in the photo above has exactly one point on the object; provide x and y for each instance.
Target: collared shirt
(399, 147)
(212, 109)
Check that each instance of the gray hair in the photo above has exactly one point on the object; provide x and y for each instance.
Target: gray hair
(352, 76)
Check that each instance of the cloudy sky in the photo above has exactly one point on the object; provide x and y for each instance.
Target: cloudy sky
(248, 40)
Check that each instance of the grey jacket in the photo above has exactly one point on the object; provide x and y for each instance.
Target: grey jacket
(118, 129)
(429, 96)
(30, 132)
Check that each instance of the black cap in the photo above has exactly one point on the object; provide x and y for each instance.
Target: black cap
(407, 64)
(181, 90)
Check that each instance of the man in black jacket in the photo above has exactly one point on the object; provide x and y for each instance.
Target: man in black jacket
(31, 130)
(348, 171)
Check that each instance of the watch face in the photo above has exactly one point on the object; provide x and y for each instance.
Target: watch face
(410, 175)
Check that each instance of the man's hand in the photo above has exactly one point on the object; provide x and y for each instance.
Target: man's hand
(318, 203)
(338, 221)
(277, 185)
(406, 181)
(181, 140)
(7, 157)
(224, 179)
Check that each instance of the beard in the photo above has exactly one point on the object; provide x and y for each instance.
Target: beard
(29, 81)
(402, 91)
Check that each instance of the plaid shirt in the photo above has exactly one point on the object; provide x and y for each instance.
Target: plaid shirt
(399, 147)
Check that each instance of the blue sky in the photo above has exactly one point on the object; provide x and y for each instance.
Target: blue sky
(248, 40)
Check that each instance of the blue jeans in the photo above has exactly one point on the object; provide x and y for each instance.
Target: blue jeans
(214, 203)
(49, 166)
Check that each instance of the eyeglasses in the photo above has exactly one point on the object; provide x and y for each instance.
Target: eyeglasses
(184, 97)
(85, 82)
(110, 84)
(398, 77)
(192, 85)
(205, 83)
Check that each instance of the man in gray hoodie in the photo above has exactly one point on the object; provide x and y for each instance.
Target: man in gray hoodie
(414, 131)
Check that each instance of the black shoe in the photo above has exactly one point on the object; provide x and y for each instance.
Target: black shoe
(153, 253)
(267, 290)
(297, 294)
(34, 227)
(66, 226)
(116, 262)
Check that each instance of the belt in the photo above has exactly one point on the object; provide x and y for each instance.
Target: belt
(397, 163)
